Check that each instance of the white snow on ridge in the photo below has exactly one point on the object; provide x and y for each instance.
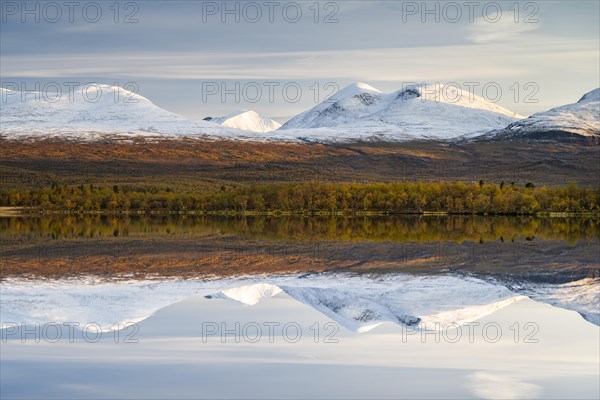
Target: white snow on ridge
(581, 118)
(248, 121)
(93, 111)
(354, 89)
(425, 111)
(593, 95)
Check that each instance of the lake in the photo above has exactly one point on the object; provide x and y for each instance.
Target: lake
(485, 306)
(544, 249)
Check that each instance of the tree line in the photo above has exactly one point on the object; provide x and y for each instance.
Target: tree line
(314, 197)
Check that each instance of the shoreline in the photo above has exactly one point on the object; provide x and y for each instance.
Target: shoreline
(35, 211)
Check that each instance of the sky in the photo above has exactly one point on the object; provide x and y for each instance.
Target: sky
(279, 58)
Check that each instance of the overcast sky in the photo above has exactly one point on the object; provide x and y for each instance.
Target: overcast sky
(194, 58)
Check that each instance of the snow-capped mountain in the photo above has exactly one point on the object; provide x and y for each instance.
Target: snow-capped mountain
(318, 116)
(247, 121)
(94, 111)
(357, 112)
(423, 111)
(578, 120)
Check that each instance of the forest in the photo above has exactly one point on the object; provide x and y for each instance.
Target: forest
(312, 198)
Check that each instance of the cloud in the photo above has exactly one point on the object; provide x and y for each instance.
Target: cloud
(467, 62)
(505, 30)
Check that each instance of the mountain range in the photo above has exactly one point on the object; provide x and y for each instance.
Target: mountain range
(357, 112)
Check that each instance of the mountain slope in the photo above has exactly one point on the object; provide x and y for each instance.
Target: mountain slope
(92, 112)
(423, 111)
(247, 121)
(579, 121)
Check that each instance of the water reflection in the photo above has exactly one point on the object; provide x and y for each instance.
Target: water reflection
(354, 229)
(541, 249)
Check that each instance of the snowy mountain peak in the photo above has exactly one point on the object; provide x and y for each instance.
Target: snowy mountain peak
(94, 111)
(109, 92)
(450, 94)
(593, 95)
(355, 88)
(417, 111)
(247, 121)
